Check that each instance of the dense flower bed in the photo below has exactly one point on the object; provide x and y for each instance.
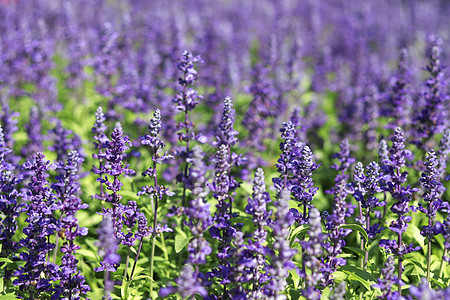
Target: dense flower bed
(297, 150)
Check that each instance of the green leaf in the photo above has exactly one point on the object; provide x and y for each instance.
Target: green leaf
(357, 274)
(1, 284)
(88, 254)
(181, 242)
(295, 277)
(356, 228)
(355, 250)
(413, 268)
(6, 260)
(130, 195)
(9, 296)
(414, 233)
(301, 231)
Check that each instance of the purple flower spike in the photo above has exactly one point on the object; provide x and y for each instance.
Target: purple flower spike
(189, 284)
(336, 234)
(42, 224)
(72, 283)
(257, 209)
(302, 188)
(433, 118)
(108, 247)
(388, 280)
(400, 99)
(198, 211)
(10, 208)
(312, 256)
(282, 256)
(443, 153)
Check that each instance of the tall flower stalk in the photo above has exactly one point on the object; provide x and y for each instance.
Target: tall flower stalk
(199, 220)
(186, 100)
(257, 208)
(366, 185)
(41, 226)
(156, 191)
(432, 198)
(401, 194)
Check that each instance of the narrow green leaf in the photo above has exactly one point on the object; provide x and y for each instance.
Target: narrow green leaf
(6, 260)
(359, 275)
(300, 231)
(1, 284)
(181, 242)
(87, 253)
(355, 250)
(356, 228)
(295, 278)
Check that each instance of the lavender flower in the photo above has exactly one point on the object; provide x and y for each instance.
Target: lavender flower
(256, 207)
(302, 186)
(344, 161)
(188, 285)
(282, 252)
(433, 117)
(386, 283)
(41, 225)
(222, 229)
(400, 99)
(198, 211)
(64, 140)
(443, 153)
(336, 234)
(186, 100)
(400, 193)
(113, 155)
(312, 256)
(290, 150)
(72, 282)
(9, 206)
(108, 251)
(33, 129)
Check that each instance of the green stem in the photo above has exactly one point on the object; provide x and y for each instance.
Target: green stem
(441, 268)
(137, 257)
(151, 265)
(125, 275)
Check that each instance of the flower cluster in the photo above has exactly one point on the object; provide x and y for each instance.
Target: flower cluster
(67, 187)
(312, 257)
(41, 225)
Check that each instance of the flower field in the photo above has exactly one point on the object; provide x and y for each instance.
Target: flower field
(224, 149)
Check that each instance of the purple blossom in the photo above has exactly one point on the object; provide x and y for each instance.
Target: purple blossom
(336, 234)
(344, 161)
(10, 208)
(312, 256)
(33, 129)
(67, 188)
(41, 203)
(302, 185)
(198, 211)
(290, 150)
(114, 166)
(400, 99)
(256, 207)
(64, 140)
(108, 247)
(282, 253)
(431, 195)
(366, 185)
(443, 153)
(433, 117)
(389, 279)
(188, 284)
